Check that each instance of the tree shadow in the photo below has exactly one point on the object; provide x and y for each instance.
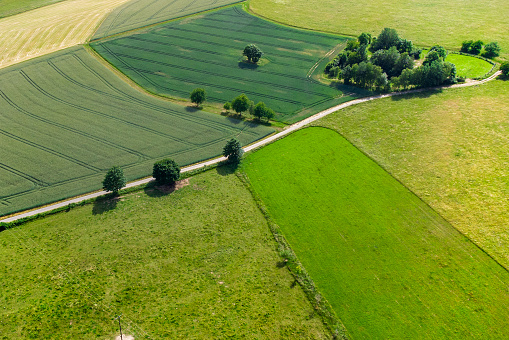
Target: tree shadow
(420, 93)
(503, 77)
(192, 108)
(235, 118)
(225, 168)
(155, 190)
(105, 204)
(247, 65)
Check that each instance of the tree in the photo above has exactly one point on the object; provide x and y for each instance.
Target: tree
(404, 62)
(387, 38)
(491, 50)
(431, 57)
(505, 68)
(198, 96)
(442, 52)
(352, 45)
(262, 111)
(475, 47)
(166, 171)
(114, 180)
(465, 45)
(364, 38)
(253, 53)
(233, 151)
(227, 106)
(240, 104)
(386, 59)
(405, 46)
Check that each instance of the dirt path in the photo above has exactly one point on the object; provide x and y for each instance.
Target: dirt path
(248, 148)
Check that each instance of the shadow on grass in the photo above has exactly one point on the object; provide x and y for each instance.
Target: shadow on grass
(192, 108)
(105, 204)
(155, 190)
(425, 93)
(247, 65)
(225, 169)
(503, 77)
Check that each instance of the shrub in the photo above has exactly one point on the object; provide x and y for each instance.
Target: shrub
(505, 68)
(476, 47)
(465, 46)
(491, 50)
(227, 106)
(166, 171)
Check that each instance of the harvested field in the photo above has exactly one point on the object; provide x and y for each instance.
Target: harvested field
(66, 119)
(50, 28)
(206, 51)
(12, 7)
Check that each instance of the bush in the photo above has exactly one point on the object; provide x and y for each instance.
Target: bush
(476, 47)
(227, 106)
(166, 171)
(465, 46)
(505, 68)
(491, 50)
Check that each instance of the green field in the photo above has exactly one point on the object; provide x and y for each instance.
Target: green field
(449, 148)
(390, 266)
(469, 67)
(12, 7)
(427, 22)
(179, 266)
(66, 119)
(206, 51)
(141, 13)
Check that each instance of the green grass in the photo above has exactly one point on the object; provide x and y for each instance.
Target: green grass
(469, 67)
(141, 13)
(197, 263)
(12, 7)
(449, 148)
(444, 22)
(390, 266)
(206, 51)
(66, 119)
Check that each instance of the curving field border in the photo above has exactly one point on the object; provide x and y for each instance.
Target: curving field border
(248, 148)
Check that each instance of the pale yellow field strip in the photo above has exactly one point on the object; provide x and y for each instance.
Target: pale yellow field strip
(51, 28)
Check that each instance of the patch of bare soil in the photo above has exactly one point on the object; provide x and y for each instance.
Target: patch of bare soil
(168, 189)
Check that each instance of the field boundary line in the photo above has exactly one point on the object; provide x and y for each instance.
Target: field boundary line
(247, 148)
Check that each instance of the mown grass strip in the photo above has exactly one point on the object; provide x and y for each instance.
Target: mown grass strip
(389, 265)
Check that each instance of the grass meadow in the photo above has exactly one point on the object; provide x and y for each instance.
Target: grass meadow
(469, 67)
(66, 119)
(390, 266)
(140, 13)
(199, 263)
(445, 22)
(51, 28)
(12, 7)
(450, 148)
(206, 51)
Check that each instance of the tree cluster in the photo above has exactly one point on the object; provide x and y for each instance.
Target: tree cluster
(253, 53)
(391, 63)
(491, 50)
(242, 104)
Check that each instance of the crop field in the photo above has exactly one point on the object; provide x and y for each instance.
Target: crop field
(449, 148)
(445, 22)
(469, 67)
(141, 13)
(390, 266)
(66, 119)
(183, 265)
(51, 28)
(206, 51)
(12, 7)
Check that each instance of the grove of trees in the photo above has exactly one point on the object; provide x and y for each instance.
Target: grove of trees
(391, 65)
(491, 50)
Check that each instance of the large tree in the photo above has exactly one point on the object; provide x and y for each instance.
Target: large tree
(233, 151)
(166, 171)
(114, 180)
(387, 38)
(253, 53)
(240, 104)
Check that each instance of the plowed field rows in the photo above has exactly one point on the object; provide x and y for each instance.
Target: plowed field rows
(206, 51)
(66, 119)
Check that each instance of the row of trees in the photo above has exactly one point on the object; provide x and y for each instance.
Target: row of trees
(242, 104)
(392, 63)
(491, 50)
(166, 171)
